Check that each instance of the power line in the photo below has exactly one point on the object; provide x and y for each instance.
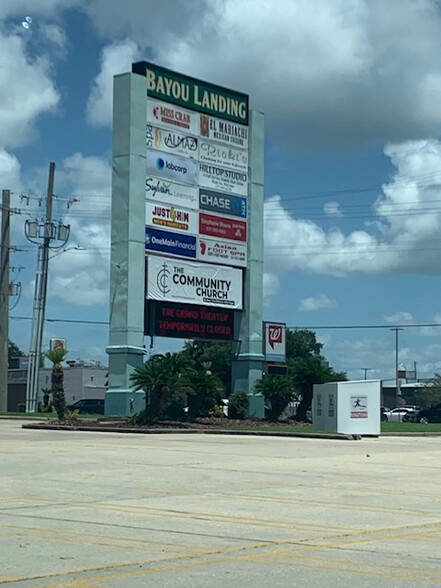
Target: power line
(49, 320)
(341, 327)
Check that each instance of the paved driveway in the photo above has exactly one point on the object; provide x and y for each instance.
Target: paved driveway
(95, 510)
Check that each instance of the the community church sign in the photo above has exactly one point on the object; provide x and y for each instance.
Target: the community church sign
(173, 87)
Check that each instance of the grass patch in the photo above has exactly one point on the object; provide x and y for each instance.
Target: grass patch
(410, 428)
(43, 415)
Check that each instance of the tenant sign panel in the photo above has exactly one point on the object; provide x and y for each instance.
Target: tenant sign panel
(160, 190)
(223, 131)
(163, 216)
(223, 155)
(222, 252)
(189, 282)
(222, 227)
(169, 243)
(172, 167)
(223, 180)
(171, 141)
(172, 117)
(223, 203)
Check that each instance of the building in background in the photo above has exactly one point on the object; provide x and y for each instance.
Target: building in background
(81, 380)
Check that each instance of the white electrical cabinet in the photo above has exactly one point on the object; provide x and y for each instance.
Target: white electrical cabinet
(351, 408)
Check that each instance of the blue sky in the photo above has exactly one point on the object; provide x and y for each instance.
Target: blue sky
(351, 92)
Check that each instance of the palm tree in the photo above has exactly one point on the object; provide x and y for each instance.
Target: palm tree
(159, 377)
(56, 356)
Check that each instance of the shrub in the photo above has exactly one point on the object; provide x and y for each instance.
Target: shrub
(21, 407)
(173, 407)
(238, 405)
(217, 412)
(278, 392)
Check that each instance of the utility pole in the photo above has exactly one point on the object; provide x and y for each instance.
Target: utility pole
(366, 370)
(4, 299)
(397, 380)
(48, 231)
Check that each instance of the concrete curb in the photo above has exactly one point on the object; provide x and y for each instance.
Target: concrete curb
(139, 431)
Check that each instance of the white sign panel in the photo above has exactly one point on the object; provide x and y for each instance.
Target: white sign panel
(359, 407)
(275, 341)
(168, 115)
(223, 252)
(223, 155)
(223, 180)
(172, 167)
(194, 283)
(172, 141)
(164, 216)
(224, 131)
(159, 190)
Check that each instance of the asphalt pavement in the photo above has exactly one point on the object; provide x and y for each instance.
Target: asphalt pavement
(113, 510)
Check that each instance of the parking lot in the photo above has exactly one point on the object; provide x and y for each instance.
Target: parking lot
(110, 510)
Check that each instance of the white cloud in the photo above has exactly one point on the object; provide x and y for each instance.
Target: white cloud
(85, 269)
(26, 96)
(10, 171)
(332, 209)
(399, 318)
(318, 303)
(324, 72)
(270, 286)
(405, 237)
(115, 59)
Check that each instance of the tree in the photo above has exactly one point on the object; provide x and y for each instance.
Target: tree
(278, 392)
(56, 356)
(430, 394)
(215, 353)
(307, 366)
(14, 350)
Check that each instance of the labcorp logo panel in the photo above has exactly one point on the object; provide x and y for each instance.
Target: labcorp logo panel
(172, 167)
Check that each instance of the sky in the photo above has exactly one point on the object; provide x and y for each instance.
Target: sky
(351, 92)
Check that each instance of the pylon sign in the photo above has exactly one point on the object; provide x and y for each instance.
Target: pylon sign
(197, 184)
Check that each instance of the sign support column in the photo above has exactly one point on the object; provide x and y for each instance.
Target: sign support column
(247, 364)
(127, 280)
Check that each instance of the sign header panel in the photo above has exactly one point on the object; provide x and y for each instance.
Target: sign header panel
(177, 88)
(189, 283)
(223, 155)
(222, 228)
(223, 252)
(172, 167)
(170, 243)
(223, 180)
(231, 134)
(185, 321)
(275, 341)
(222, 203)
(158, 189)
(163, 216)
(171, 141)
